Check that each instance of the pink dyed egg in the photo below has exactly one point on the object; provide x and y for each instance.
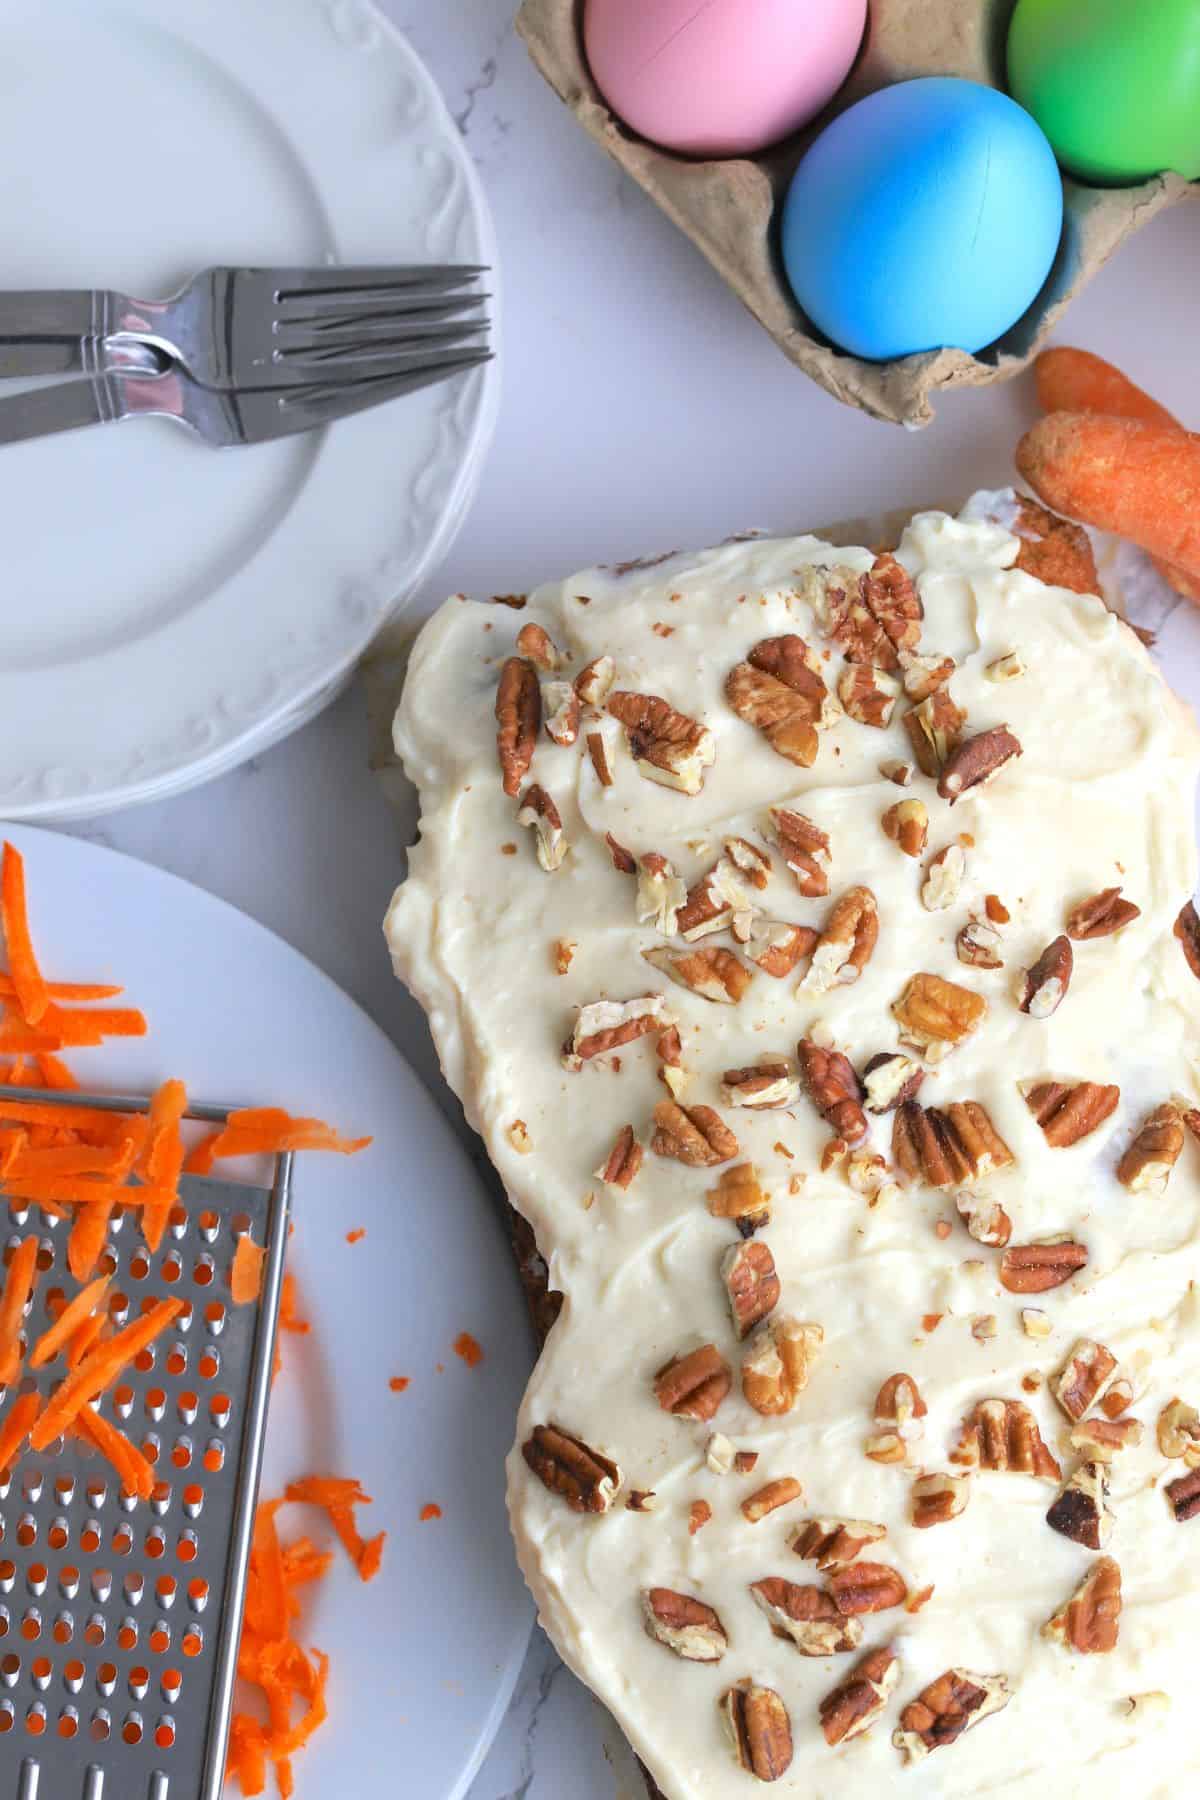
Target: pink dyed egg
(720, 77)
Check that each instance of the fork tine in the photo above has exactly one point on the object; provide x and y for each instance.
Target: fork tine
(341, 355)
(336, 285)
(300, 409)
(336, 319)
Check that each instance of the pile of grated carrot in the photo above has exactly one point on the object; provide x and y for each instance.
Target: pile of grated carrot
(83, 1165)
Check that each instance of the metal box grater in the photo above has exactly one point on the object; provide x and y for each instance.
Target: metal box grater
(120, 1619)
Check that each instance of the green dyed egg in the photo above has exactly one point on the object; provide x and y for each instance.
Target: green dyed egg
(1114, 84)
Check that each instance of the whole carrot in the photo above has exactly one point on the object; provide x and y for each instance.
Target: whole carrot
(1138, 480)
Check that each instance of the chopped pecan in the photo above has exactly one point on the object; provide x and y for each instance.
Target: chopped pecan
(594, 681)
(683, 1624)
(934, 1011)
(777, 1363)
(945, 1148)
(745, 1462)
(1003, 1435)
(1036, 1268)
(712, 902)
(984, 1218)
(719, 1453)
(1090, 1620)
(867, 694)
(623, 1160)
(740, 1196)
(808, 1616)
(695, 1135)
(1081, 1511)
(867, 1587)
(978, 945)
(805, 850)
(899, 1410)
(563, 954)
(1101, 915)
(748, 1271)
(1070, 1111)
(936, 1499)
(956, 1702)
(868, 1174)
(692, 1386)
(518, 721)
(713, 972)
(1146, 1165)
(597, 749)
(759, 1729)
(1179, 1432)
(984, 1327)
(943, 878)
(666, 745)
(1100, 1440)
(876, 617)
(772, 1081)
(834, 1543)
(1084, 1378)
(1040, 990)
(1054, 550)
(770, 1498)
(934, 729)
(641, 1500)
(889, 1080)
(1006, 668)
(536, 643)
(779, 689)
(899, 772)
(845, 945)
(1184, 1496)
(538, 812)
(660, 893)
(623, 860)
(924, 675)
(604, 1025)
(976, 761)
(1118, 1399)
(1187, 930)
(776, 947)
(907, 824)
(753, 864)
(587, 1481)
(560, 711)
(834, 1089)
(857, 1702)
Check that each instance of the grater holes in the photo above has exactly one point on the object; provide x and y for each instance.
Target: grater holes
(31, 1625)
(155, 1543)
(152, 1448)
(6, 1715)
(188, 1547)
(106, 1679)
(219, 1409)
(32, 1483)
(45, 1256)
(56, 1300)
(171, 1685)
(118, 1307)
(132, 1729)
(155, 1403)
(63, 1629)
(89, 1538)
(171, 1267)
(35, 1719)
(36, 1577)
(122, 1540)
(139, 1682)
(181, 1452)
(160, 1637)
(96, 1492)
(215, 1316)
(139, 1266)
(177, 1359)
(187, 1406)
(8, 1574)
(101, 1585)
(41, 1669)
(123, 1400)
(209, 1365)
(133, 1587)
(26, 1531)
(145, 1360)
(73, 1675)
(5, 1621)
(64, 1489)
(100, 1729)
(192, 1641)
(95, 1631)
(58, 1536)
(204, 1270)
(240, 1224)
(166, 1587)
(214, 1456)
(68, 1581)
(10, 1668)
(164, 1733)
(68, 1723)
(106, 1262)
(193, 1499)
(127, 1635)
(160, 1498)
(197, 1593)
(208, 1224)
(183, 1319)
(178, 1221)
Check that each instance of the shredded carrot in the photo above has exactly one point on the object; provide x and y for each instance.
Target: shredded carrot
(245, 1278)
(54, 1072)
(14, 1143)
(137, 1475)
(72, 1159)
(64, 1189)
(469, 1349)
(28, 983)
(268, 1131)
(88, 1236)
(356, 1236)
(398, 1383)
(289, 1319)
(18, 1286)
(430, 1512)
(15, 1428)
(338, 1498)
(50, 1112)
(64, 990)
(87, 1335)
(302, 1563)
(161, 1159)
(99, 1369)
(85, 1303)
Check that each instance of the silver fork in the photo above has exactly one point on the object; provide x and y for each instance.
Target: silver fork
(223, 417)
(251, 328)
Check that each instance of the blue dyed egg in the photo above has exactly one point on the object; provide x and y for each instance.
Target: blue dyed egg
(927, 215)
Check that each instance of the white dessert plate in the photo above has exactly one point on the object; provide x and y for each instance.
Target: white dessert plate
(424, 1658)
(170, 609)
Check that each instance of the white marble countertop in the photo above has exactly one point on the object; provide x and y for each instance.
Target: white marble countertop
(642, 408)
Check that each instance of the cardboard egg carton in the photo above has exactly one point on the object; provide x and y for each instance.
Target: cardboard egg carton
(728, 209)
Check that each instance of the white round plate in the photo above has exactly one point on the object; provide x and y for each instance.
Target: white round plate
(169, 608)
(423, 1658)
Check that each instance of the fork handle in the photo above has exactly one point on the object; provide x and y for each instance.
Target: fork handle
(50, 331)
(49, 410)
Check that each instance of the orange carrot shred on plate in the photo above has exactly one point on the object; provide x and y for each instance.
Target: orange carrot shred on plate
(137, 1475)
(72, 1159)
(265, 1131)
(55, 1073)
(303, 1562)
(266, 1600)
(18, 1286)
(289, 1319)
(338, 1497)
(64, 1189)
(50, 1112)
(470, 1350)
(357, 1235)
(99, 1369)
(28, 982)
(77, 991)
(245, 1279)
(15, 1428)
(86, 1028)
(11, 1147)
(88, 1236)
(430, 1512)
(247, 1758)
(398, 1383)
(73, 1315)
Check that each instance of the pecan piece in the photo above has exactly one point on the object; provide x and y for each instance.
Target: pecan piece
(780, 690)
(834, 1089)
(623, 860)
(748, 1271)
(759, 1729)
(660, 893)
(924, 675)
(597, 750)
(1090, 1621)
(560, 712)
(1084, 1378)
(936, 1499)
(587, 1481)
(889, 1080)
(594, 681)
(712, 902)
(907, 824)
(978, 945)
(876, 617)
(538, 812)
(857, 1702)
(943, 878)
(1003, 1435)
(934, 729)
(740, 1196)
(1101, 915)
(899, 772)
(834, 1543)
(976, 761)
(604, 1025)
(536, 643)
(683, 1624)
(623, 1160)
(666, 745)
(935, 1012)
(1146, 1165)
(1187, 930)
(518, 721)
(1068, 1112)
(712, 972)
(845, 945)
(770, 1082)
(944, 1148)
(956, 1702)
(1184, 1496)
(808, 1616)
(1040, 990)
(692, 1386)
(899, 1410)
(867, 1587)
(695, 1135)
(1081, 1511)
(867, 694)
(1036, 1268)
(805, 850)
(1054, 550)
(1179, 1432)
(1100, 1440)
(778, 1362)
(775, 947)
(770, 1498)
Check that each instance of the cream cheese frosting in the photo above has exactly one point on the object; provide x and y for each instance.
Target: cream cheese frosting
(503, 952)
